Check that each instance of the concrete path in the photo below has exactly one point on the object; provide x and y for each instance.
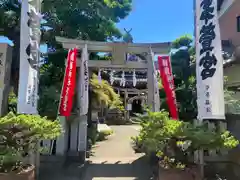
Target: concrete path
(114, 158)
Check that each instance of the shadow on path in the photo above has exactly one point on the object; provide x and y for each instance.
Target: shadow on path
(136, 170)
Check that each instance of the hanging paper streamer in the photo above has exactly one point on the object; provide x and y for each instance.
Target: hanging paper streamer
(123, 80)
(111, 78)
(99, 76)
(134, 78)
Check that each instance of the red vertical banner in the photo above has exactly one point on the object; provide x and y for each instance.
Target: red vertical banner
(69, 84)
(168, 84)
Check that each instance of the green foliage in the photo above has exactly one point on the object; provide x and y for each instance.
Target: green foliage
(49, 101)
(102, 135)
(232, 105)
(51, 80)
(12, 102)
(20, 135)
(183, 41)
(104, 94)
(184, 71)
(175, 141)
(184, 77)
(84, 19)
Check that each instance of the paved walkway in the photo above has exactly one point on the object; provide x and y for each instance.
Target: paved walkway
(114, 158)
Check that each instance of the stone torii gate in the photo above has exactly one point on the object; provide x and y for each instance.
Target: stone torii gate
(119, 51)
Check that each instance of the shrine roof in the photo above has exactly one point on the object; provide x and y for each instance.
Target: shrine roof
(77, 41)
(108, 46)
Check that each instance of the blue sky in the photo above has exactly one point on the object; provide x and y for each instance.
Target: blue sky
(158, 20)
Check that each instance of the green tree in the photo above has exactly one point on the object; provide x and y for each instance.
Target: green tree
(182, 60)
(84, 19)
(96, 23)
(184, 76)
(104, 94)
(184, 71)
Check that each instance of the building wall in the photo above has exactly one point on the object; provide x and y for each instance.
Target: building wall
(232, 74)
(228, 24)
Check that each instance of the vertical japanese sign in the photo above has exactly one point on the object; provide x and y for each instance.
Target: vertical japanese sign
(84, 82)
(69, 83)
(209, 62)
(29, 57)
(165, 69)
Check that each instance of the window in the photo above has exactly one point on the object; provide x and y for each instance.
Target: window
(238, 24)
